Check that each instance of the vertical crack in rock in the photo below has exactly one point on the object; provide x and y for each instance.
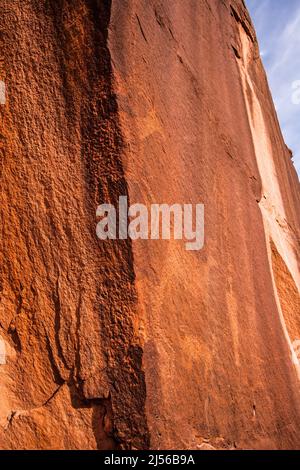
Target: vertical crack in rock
(101, 150)
(141, 28)
(57, 309)
(242, 17)
(65, 141)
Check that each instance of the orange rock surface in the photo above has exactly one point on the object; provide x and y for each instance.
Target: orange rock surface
(141, 344)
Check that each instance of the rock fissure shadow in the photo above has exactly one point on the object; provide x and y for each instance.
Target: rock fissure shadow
(81, 30)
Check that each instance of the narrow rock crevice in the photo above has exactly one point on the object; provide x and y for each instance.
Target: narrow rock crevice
(102, 149)
(244, 20)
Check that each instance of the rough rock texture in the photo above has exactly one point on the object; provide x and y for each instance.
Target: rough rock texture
(122, 344)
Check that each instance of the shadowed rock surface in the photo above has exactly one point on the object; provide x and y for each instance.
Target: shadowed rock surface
(131, 345)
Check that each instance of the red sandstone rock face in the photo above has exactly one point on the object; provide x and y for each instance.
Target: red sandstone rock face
(122, 344)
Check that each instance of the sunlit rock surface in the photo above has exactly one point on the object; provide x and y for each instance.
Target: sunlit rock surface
(131, 345)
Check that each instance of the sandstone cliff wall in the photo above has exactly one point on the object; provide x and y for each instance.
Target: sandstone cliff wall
(122, 344)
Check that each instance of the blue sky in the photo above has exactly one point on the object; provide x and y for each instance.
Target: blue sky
(277, 24)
